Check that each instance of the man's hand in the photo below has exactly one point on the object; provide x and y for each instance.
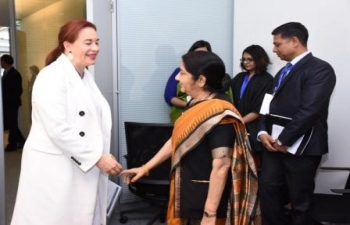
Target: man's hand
(280, 147)
(271, 144)
(268, 142)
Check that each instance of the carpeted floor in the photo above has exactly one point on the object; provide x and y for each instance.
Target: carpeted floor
(12, 170)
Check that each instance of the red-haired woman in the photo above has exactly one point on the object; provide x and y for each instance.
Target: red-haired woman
(66, 160)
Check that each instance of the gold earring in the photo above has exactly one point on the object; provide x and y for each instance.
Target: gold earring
(70, 56)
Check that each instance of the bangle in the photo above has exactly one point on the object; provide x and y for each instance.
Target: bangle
(145, 168)
(209, 214)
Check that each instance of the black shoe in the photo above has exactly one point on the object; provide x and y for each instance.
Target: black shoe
(10, 148)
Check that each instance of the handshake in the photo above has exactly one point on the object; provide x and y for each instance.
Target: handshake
(111, 166)
(108, 164)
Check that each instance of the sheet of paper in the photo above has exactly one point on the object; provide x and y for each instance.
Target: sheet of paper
(277, 130)
(265, 106)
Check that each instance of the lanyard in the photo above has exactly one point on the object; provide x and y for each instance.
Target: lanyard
(244, 85)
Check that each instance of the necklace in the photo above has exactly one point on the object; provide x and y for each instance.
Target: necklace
(194, 101)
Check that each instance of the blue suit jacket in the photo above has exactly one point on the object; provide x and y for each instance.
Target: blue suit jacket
(12, 88)
(304, 96)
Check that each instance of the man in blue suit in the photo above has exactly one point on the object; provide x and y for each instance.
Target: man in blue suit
(302, 92)
(11, 98)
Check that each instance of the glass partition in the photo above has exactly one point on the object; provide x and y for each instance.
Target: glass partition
(37, 25)
(4, 43)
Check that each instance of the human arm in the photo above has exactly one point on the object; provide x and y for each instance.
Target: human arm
(271, 144)
(267, 141)
(18, 87)
(175, 101)
(108, 164)
(12, 87)
(310, 107)
(217, 182)
(250, 117)
(265, 85)
(64, 118)
(220, 140)
(170, 92)
(134, 174)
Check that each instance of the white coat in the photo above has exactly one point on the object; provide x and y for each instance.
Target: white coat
(59, 181)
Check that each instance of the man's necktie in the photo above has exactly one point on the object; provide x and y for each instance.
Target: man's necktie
(284, 72)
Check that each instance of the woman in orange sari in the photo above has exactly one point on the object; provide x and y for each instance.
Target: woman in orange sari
(213, 177)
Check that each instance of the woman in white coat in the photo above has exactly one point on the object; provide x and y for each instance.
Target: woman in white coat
(66, 160)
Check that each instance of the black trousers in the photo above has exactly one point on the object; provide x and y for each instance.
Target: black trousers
(11, 124)
(284, 179)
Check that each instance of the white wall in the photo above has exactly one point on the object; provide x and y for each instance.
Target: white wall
(329, 39)
(152, 37)
(4, 44)
(5, 14)
(4, 40)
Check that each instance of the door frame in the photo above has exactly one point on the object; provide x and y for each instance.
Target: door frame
(13, 52)
(105, 69)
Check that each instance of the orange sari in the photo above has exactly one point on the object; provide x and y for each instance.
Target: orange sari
(189, 129)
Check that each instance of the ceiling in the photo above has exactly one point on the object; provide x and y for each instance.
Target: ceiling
(24, 8)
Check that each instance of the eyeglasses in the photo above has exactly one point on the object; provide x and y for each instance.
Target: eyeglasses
(248, 60)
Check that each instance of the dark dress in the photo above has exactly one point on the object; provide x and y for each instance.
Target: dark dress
(197, 166)
(251, 100)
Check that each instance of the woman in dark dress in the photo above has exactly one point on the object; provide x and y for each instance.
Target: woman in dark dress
(212, 166)
(249, 88)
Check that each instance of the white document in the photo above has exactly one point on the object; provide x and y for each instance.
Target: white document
(265, 106)
(277, 130)
(114, 191)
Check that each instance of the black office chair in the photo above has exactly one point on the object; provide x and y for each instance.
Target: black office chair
(333, 209)
(143, 141)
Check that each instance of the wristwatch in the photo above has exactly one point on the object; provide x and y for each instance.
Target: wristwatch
(207, 214)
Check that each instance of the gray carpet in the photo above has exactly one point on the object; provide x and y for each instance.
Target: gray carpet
(12, 169)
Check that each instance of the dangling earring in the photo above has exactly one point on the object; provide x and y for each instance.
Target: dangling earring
(70, 56)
